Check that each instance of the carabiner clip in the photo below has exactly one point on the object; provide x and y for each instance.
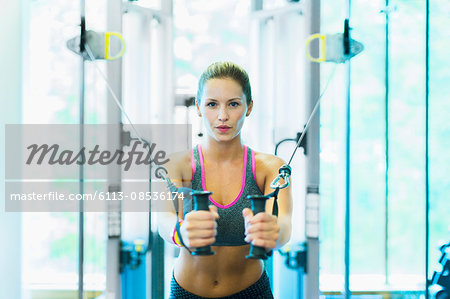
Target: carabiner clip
(161, 173)
(285, 174)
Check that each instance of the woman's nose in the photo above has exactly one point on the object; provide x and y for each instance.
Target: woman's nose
(223, 114)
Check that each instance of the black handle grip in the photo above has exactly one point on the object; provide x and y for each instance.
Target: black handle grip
(258, 203)
(201, 203)
(201, 200)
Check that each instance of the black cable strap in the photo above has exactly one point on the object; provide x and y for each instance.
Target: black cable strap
(274, 194)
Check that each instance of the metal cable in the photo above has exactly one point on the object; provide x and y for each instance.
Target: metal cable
(312, 113)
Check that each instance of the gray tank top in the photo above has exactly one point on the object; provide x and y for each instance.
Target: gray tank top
(230, 225)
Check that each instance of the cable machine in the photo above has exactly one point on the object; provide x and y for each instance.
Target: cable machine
(126, 275)
(122, 257)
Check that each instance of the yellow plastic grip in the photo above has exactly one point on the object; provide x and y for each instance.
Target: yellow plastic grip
(175, 237)
(107, 37)
(321, 57)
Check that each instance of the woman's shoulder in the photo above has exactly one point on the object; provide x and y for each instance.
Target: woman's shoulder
(179, 164)
(267, 163)
(180, 157)
(266, 168)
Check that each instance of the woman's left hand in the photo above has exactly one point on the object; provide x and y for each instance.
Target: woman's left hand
(261, 229)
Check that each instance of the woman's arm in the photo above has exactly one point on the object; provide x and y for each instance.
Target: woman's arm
(199, 227)
(166, 217)
(265, 229)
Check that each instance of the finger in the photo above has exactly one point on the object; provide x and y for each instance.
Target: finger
(263, 217)
(263, 227)
(247, 213)
(201, 242)
(199, 215)
(213, 209)
(263, 236)
(264, 243)
(193, 225)
(202, 234)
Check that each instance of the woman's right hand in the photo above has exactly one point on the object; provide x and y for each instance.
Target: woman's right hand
(200, 228)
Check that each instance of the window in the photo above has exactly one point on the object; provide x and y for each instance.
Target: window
(51, 96)
(387, 141)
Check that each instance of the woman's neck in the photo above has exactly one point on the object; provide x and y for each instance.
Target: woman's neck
(223, 151)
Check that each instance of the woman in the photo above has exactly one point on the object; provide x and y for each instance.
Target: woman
(229, 169)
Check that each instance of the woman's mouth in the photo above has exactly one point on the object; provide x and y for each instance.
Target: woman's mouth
(223, 129)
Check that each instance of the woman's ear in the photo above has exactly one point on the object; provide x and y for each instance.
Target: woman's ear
(198, 108)
(249, 109)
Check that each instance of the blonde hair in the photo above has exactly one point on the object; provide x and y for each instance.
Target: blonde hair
(226, 70)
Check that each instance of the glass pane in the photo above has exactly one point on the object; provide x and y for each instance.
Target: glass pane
(439, 129)
(367, 162)
(52, 86)
(407, 144)
(332, 160)
(95, 233)
(205, 32)
(367, 148)
(51, 96)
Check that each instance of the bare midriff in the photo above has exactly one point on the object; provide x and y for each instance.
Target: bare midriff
(225, 273)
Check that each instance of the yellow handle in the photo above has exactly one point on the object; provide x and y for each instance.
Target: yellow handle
(107, 37)
(321, 58)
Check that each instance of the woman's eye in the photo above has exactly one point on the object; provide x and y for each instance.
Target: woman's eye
(234, 104)
(211, 104)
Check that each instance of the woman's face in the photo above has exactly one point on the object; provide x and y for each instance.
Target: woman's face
(223, 107)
